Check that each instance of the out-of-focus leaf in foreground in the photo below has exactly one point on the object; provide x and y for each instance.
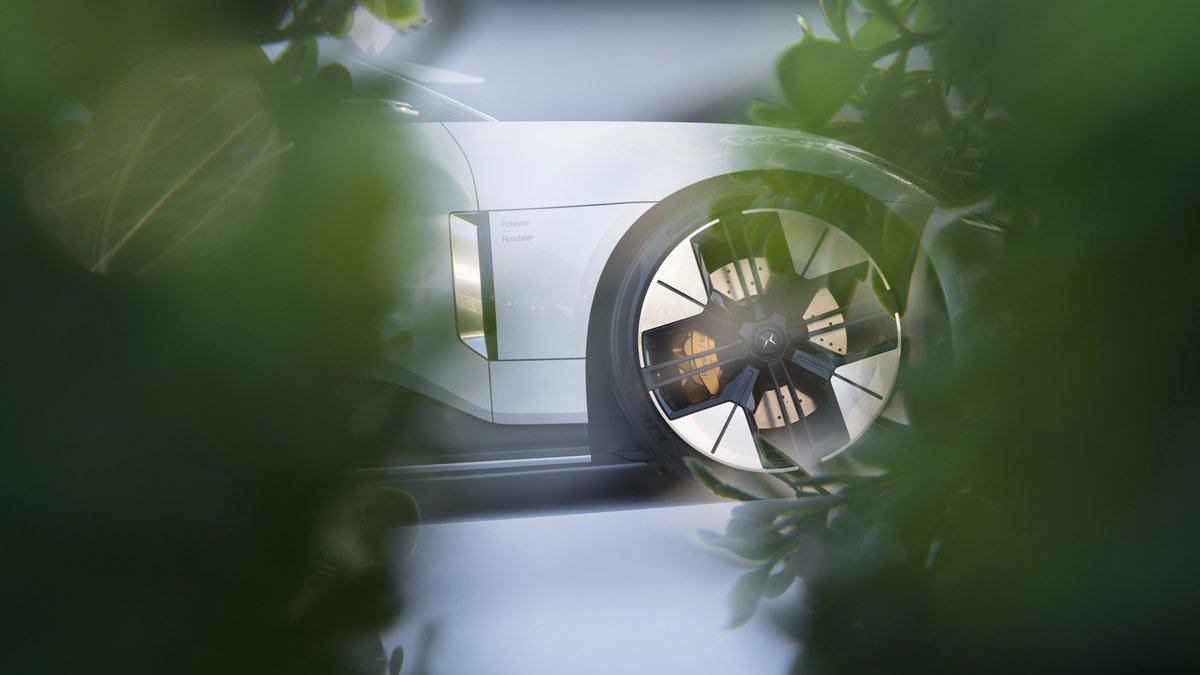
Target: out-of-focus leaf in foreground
(401, 14)
(818, 77)
(189, 269)
(180, 158)
(1036, 515)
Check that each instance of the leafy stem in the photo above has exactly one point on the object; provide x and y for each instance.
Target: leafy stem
(905, 42)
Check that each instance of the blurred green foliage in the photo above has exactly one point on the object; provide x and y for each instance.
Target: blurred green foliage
(188, 271)
(862, 87)
(1037, 516)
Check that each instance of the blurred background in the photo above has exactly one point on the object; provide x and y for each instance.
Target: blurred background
(175, 492)
(673, 61)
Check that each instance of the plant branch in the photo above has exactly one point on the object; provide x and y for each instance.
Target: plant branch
(905, 42)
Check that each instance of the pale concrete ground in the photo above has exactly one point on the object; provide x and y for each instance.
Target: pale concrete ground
(615, 592)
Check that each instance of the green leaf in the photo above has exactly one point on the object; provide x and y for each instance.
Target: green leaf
(818, 76)
(388, 507)
(299, 59)
(884, 102)
(874, 6)
(770, 114)
(875, 32)
(708, 479)
(778, 583)
(767, 510)
(308, 66)
(747, 592)
(893, 11)
(927, 17)
(795, 480)
(388, 519)
(340, 24)
(396, 662)
(291, 61)
(336, 79)
(69, 133)
(755, 546)
(399, 14)
(174, 168)
(835, 16)
(265, 12)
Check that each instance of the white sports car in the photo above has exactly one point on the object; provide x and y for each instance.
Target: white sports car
(653, 291)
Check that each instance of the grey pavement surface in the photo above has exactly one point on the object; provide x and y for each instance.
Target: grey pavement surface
(594, 594)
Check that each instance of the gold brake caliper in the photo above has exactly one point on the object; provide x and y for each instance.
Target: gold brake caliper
(703, 385)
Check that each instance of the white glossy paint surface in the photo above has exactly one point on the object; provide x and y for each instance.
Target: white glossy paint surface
(546, 264)
(537, 164)
(423, 350)
(539, 392)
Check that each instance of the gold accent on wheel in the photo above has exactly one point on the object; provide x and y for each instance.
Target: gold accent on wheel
(703, 385)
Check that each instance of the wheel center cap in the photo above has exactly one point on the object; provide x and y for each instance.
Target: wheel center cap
(768, 342)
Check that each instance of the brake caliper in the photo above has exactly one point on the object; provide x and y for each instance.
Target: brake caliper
(705, 384)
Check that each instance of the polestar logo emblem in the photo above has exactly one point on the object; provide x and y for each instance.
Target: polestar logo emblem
(768, 342)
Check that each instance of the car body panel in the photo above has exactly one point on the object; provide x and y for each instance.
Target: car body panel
(422, 351)
(539, 392)
(546, 264)
(522, 165)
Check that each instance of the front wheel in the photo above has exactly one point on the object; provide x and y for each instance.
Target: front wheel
(752, 332)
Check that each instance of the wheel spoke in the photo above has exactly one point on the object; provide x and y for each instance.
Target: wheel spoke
(834, 251)
(879, 326)
(827, 427)
(680, 293)
(655, 372)
(820, 365)
(841, 328)
(823, 365)
(735, 259)
(780, 397)
(857, 308)
(870, 327)
(844, 283)
(738, 223)
(873, 350)
(794, 390)
(656, 375)
(735, 440)
(739, 391)
(714, 318)
(727, 245)
(724, 427)
(727, 309)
